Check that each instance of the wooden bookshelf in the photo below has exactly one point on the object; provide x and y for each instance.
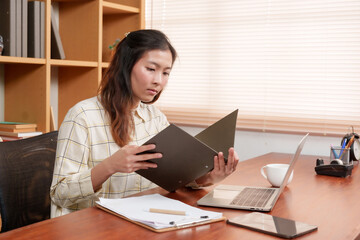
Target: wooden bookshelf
(87, 28)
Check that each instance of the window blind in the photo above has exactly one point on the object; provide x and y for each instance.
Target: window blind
(288, 66)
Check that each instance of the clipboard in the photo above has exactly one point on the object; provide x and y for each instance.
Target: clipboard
(186, 158)
(162, 229)
(171, 214)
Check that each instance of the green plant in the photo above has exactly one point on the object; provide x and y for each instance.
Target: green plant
(112, 47)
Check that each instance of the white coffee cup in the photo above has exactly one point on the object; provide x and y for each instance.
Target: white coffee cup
(275, 173)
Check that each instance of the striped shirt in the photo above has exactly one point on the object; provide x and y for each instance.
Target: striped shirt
(84, 141)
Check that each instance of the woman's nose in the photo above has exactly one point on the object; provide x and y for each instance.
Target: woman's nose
(158, 78)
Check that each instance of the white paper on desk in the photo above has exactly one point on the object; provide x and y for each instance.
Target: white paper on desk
(137, 209)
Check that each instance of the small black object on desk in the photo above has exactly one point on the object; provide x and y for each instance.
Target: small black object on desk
(335, 170)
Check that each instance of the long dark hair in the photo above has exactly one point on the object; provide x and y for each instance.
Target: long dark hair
(115, 91)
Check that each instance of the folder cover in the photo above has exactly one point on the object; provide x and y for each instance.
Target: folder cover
(186, 158)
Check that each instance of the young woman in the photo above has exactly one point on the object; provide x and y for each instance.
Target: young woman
(100, 137)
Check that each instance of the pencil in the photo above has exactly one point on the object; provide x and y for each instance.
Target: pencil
(167, 211)
(350, 142)
(348, 145)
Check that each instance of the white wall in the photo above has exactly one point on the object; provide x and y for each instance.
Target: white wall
(251, 144)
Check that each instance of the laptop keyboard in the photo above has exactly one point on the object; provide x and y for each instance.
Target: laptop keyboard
(253, 197)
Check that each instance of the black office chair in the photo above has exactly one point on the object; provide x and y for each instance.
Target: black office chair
(26, 168)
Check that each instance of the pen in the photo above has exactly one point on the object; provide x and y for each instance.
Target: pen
(334, 152)
(189, 221)
(167, 211)
(343, 146)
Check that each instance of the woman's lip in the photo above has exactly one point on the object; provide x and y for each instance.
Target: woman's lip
(153, 91)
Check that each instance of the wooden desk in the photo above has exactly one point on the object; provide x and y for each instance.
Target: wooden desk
(330, 203)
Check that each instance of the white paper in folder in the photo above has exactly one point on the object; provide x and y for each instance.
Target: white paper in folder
(137, 209)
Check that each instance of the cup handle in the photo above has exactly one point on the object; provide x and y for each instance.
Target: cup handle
(262, 172)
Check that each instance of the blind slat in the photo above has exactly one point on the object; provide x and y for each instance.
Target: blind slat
(291, 66)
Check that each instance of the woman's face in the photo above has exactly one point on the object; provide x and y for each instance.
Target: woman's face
(150, 74)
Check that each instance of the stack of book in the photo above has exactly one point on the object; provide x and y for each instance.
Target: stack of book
(10, 131)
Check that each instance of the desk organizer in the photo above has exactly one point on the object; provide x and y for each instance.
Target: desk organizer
(334, 170)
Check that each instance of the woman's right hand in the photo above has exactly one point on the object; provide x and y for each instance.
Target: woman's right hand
(129, 159)
(126, 160)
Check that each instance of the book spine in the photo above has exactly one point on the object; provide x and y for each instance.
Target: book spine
(24, 28)
(42, 29)
(34, 29)
(13, 125)
(7, 26)
(17, 130)
(18, 27)
(19, 134)
(7, 138)
(57, 50)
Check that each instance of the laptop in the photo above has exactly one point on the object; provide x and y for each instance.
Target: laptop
(248, 197)
(185, 157)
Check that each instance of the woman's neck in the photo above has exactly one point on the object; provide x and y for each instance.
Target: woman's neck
(135, 105)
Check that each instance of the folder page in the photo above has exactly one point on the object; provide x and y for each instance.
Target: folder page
(138, 209)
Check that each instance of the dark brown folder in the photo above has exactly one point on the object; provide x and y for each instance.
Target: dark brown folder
(220, 135)
(186, 158)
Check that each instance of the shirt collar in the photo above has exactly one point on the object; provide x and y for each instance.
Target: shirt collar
(141, 110)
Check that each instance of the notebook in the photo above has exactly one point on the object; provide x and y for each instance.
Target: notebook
(186, 158)
(249, 197)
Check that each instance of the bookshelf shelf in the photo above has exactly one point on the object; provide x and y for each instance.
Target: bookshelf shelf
(7, 59)
(86, 29)
(105, 64)
(113, 8)
(71, 0)
(55, 62)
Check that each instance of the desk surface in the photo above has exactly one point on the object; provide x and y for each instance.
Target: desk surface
(331, 203)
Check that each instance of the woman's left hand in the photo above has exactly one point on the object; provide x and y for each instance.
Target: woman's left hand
(221, 170)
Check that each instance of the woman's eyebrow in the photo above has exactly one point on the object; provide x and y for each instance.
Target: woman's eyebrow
(157, 65)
